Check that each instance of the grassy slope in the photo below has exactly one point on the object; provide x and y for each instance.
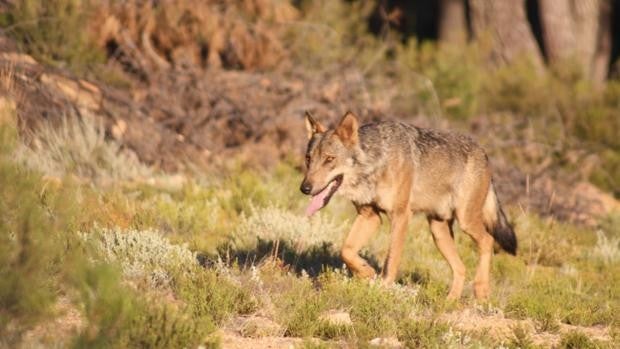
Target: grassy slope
(118, 257)
(93, 256)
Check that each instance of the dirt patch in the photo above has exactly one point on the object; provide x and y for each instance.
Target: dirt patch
(182, 116)
(471, 320)
(502, 328)
(59, 331)
(254, 326)
(232, 340)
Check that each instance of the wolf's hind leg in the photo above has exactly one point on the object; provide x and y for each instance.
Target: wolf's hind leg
(365, 224)
(473, 226)
(469, 213)
(443, 237)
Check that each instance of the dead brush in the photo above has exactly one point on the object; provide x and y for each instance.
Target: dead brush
(156, 34)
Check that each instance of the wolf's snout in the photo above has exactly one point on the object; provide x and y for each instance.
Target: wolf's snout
(306, 187)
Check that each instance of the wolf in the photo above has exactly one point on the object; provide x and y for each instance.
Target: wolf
(398, 169)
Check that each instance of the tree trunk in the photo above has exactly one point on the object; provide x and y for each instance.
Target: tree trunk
(602, 53)
(504, 24)
(557, 29)
(578, 30)
(586, 21)
(452, 22)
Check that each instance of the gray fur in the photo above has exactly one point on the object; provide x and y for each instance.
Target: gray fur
(430, 151)
(394, 167)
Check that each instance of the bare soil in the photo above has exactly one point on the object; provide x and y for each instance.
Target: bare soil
(468, 320)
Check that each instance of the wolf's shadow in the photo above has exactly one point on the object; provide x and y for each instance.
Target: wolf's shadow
(312, 260)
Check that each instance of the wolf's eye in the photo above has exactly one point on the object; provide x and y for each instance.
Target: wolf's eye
(329, 159)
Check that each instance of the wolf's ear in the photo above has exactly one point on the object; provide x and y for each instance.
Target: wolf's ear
(313, 126)
(347, 129)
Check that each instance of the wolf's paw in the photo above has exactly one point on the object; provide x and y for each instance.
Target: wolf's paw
(366, 272)
(481, 289)
(387, 283)
(453, 296)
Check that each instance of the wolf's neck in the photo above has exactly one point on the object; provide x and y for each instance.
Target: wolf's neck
(361, 185)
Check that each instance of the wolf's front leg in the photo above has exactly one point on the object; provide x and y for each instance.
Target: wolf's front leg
(366, 223)
(399, 223)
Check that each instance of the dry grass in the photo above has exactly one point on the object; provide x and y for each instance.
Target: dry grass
(275, 224)
(294, 288)
(200, 33)
(79, 146)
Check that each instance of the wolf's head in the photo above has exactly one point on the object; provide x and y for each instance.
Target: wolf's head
(329, 157)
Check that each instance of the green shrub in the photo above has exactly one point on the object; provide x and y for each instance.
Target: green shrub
(332, 32)
(244, 189)
(144, 255)
(521, 338)
(607, 175)
(275, 224)
(208, 212)
(28, 243)
(375, 310)
(303, 317)
(121, 319)
(548, 299)
(444, 81)
(118, 317)
(578, 340)
(423, 333)
(518, 88)
(193, 214)
(148, 257)
(547, 242)
(54, 31)
(607, 250)
(565, 110)
(36, 252)
(165, 327)
(327, 330)
(213, 297)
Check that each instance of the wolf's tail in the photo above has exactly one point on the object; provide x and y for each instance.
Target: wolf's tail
(496, 222)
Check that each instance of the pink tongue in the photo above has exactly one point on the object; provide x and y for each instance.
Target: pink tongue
(318, 201)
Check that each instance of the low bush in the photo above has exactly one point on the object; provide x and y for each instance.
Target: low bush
(575, 340)
(375, 310)
(424, 334)
(332, 32)
(79, 146)
(275, 224)
(30, 245)
(54, 31)
(548, 299)
(445, 82)
(153, 262)
(303, 315)
(144, 255)
(521, 338)
(121, 318)
(607, 249)
(213, 297)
